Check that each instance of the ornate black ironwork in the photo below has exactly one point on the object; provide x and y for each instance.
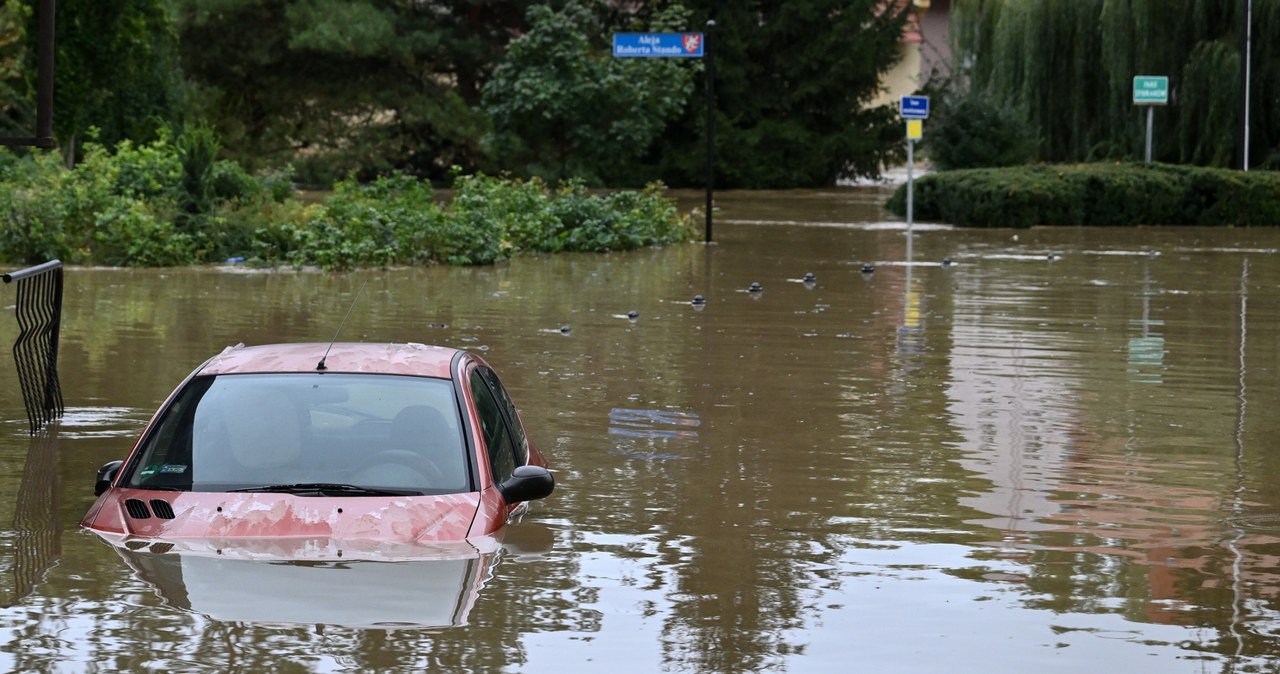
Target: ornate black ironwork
(39, 310)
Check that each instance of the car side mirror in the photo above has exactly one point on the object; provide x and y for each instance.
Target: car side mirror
(106, 475)
(527, 483)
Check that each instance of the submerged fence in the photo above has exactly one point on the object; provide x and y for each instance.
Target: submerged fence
(39, 311)
(34, 543)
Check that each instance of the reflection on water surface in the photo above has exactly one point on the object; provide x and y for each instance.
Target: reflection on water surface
(412, 592)
(1013, 451)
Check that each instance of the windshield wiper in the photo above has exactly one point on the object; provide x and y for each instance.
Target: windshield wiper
(328, 489)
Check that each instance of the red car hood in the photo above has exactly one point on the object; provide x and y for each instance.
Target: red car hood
(211, 515)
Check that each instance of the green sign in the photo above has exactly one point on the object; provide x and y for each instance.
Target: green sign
(1150, 90)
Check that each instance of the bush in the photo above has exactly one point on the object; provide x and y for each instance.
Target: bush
(526, 216)
(1095, 195)
(131, 235)
(389, 221)
(396, 220)
(35, 211)
(976, 133)
(172, 203)
(197, 153)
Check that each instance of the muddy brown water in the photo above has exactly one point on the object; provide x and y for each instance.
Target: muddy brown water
(1057, 451)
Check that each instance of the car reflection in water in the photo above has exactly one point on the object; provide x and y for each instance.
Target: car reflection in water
(317, 582)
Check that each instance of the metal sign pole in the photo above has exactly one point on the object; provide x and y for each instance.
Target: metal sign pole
(1150, 116)
(1150, 91)
(911, 164)
(709, 58)
(1247, 75)
(914, 110)
(680, 45)
(911, 202)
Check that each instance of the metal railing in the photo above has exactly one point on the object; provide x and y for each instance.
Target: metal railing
(35, 351)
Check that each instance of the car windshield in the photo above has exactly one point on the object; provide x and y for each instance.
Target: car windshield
(307, 433)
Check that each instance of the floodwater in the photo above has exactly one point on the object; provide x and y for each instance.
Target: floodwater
(1057, 451)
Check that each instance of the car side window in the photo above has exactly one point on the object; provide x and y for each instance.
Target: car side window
(513, 417)
(497, 436)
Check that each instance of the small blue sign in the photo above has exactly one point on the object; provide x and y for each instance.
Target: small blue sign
(657, 45)
(914, 107)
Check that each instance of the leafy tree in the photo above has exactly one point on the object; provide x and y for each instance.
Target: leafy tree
(374, 85)
(563, 107)
(116, 70)
(794, 82)
(344, 85)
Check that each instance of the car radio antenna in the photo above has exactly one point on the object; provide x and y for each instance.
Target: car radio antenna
(320, 367)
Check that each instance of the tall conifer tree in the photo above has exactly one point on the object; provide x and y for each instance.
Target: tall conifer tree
(347, 84)
(794, 81)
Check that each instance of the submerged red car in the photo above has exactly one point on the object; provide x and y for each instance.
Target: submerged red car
(399, 443)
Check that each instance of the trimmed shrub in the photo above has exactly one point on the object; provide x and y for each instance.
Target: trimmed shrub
(1121, 194)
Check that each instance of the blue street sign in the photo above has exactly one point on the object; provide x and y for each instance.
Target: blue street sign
(914, 107)
(657, 45)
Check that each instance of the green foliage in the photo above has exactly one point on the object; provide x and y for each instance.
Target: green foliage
(614, 221)
(92, 214)
(336, 86)
(973, 132)
(1068, 68)
(794, 82)
(17, 100)
(388, 222)
(475, 225)
(197, 151)
(133, 171)
(1206, 121)
(529, 87)
(562, 107)
(35, 211)
(357, 29)
(1095, 195)
(131, 206)
(132, 234)
(117, 71)
(166, 203)
(395, 221)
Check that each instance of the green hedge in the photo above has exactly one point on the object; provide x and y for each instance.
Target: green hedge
(172, 203)
(1095, 195)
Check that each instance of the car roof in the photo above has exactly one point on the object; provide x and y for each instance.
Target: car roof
(382, 358)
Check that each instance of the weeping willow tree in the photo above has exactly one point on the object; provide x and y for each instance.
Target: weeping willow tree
(1265, 115)
(1068, 67)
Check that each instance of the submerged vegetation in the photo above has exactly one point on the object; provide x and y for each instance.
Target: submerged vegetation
(1095, 195)
(170, 202)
